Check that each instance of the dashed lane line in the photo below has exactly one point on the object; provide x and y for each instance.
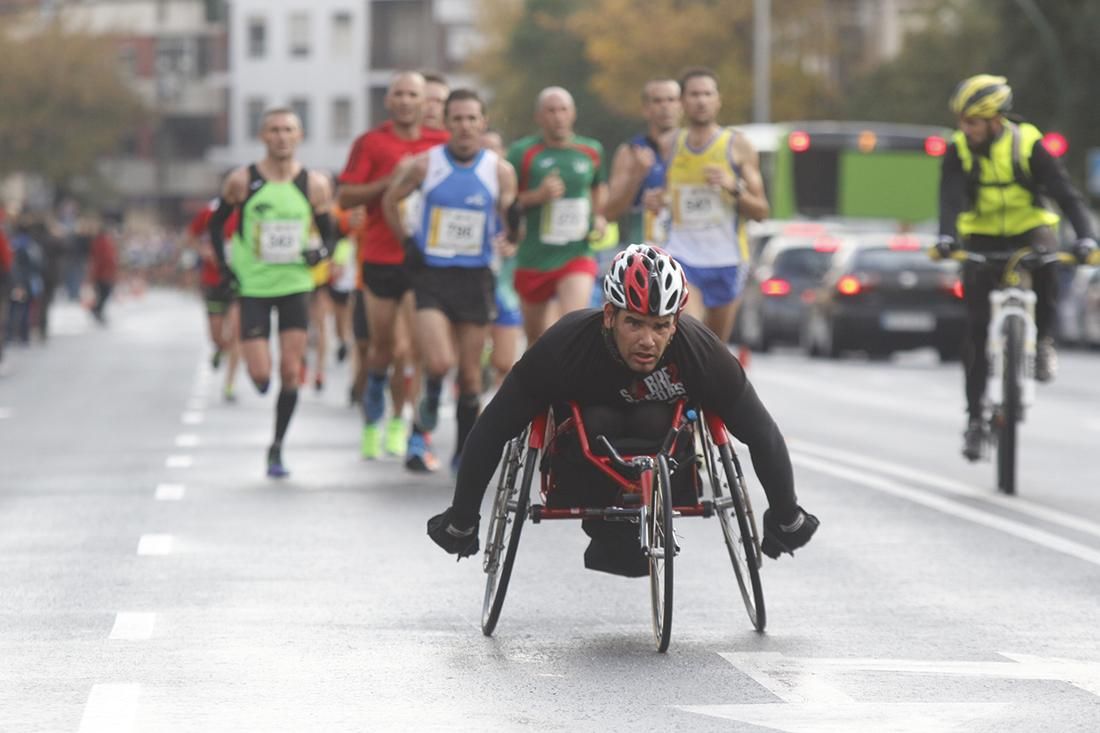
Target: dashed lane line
(187, 440)
(133, 626)
(170, 492)
(111, 708)
(156, 544)
(179, 461)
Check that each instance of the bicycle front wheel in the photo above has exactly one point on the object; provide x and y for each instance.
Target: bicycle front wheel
(662, 550)
(1010, 409)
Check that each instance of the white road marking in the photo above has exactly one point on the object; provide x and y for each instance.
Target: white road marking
(179, 462)
(169, 492)
(187, 440)
(110, 708)
(857, 717)
(946, 506)
(192, 418)
(131, 626)
(196, 403)
(1017, 504)
(156, 544)
(6, 412)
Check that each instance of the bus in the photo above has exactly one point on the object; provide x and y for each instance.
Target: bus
(850, 170)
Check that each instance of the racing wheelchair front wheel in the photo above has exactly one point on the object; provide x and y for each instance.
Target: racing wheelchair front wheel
(517, 469)
(662, 550)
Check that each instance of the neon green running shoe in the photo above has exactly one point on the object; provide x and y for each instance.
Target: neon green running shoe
(395, 436)
(371, 444)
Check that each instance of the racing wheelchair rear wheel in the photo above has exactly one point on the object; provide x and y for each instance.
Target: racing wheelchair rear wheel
(517, 469)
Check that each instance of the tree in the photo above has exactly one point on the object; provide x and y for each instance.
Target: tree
(628, 44)
(62, 103)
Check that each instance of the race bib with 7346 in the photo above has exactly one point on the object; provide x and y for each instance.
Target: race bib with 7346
(697, 207)
(281, 241)
(455, 232)
(565, 221)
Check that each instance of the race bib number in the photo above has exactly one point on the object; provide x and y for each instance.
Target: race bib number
(697, 207)
(281, 241)
(456, 232)
(565, 221)
(655, 227)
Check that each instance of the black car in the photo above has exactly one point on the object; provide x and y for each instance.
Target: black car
(782, 284)
(883, 294)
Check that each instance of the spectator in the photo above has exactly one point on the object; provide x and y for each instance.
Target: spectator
(26, 283)
(6, 264)
(102, 268)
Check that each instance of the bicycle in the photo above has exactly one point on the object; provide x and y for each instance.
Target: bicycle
(1010, 347)
(647, 499)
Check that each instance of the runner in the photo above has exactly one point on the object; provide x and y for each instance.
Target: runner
(389, 300)
(713, 185)
(465, 188)
(280, 202)
(504, 333)
(436, 90)
(562, 190)
(222, 311)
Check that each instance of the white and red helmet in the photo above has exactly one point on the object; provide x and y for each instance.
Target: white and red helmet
(646, 280)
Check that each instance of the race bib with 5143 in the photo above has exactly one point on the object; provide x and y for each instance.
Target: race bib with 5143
(565, 221)
(698, 207)
(455, 232)
(281, 241)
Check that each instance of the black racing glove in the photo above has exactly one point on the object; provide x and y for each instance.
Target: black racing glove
(455, 533)
(229, 282)
(1084, 248)
(944, 246)
(313, 257)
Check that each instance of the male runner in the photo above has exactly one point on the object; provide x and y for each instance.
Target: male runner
(465, 188)
(280, 203)
(222, 311)
(389, 299)
(563, 190)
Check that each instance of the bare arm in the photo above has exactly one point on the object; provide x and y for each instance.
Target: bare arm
(320, 193)
(406, 177)
(506, 175)
(627, 174)
(235, 187)
(752, 202)
(350, 195)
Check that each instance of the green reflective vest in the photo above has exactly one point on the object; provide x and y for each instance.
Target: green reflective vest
(1004, 199)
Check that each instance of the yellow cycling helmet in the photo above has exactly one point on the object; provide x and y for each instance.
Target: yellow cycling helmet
(985, 96)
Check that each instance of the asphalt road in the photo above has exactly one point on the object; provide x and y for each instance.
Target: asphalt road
(153, 580)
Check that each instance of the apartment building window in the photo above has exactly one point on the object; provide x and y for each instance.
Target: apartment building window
(398, 34)
(300, 106)
(341, 119)
(376, 103)
(298, 33)
(257, 38)
(254, 109)
(341, 35)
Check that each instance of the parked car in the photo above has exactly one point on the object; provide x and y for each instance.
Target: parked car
(781, 285)
(882, 294)
(1079, 309)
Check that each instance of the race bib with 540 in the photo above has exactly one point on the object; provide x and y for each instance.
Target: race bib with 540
(565, 221)
(281, 241)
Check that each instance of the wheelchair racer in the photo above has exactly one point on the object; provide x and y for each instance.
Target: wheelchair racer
(637, 349)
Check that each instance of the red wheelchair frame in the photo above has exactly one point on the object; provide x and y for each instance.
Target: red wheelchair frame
(646, 481)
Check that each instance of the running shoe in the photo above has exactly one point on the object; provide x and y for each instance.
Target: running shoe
(275, 467)
(229, 396)
(341, 352)
(216, 359)
(371, 444)
(418, 456)
(395, 436)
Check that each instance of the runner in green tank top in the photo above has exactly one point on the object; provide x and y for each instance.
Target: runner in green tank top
(563, 190)
(281, 206)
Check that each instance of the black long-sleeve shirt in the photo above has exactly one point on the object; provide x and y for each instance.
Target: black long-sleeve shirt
(1047, 172)
(572, 361)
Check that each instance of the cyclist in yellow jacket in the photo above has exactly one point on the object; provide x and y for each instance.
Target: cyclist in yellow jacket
(995, 176)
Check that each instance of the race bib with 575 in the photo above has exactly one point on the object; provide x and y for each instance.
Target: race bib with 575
(281, 241)
(697, 207)
(455, 232)
(565, 220)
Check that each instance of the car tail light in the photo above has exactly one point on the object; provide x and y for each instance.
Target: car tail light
(775, 286)
(849, 285)
(798, 141)
(904, 243)
(935, 146)
(957, 289)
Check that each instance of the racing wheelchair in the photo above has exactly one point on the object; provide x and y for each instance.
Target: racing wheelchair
(697, 447)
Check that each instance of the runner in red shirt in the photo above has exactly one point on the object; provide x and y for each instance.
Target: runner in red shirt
(102, 268)
(222, 313)
(7, 260)
(389, 299)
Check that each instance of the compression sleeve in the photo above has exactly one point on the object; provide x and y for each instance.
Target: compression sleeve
(216, 229)
(1051, 176)
(748, 420)
(506, 415)
(326, 227)
(953, 193)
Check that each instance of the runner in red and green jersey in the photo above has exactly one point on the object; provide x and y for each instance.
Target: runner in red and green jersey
(563, 190)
